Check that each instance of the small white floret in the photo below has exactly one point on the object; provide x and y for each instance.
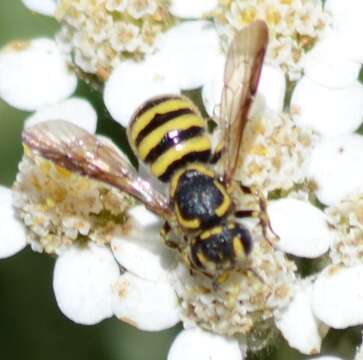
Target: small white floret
(75, 110)
(44, 7)
(196, 344)
(302, 228)
(34, 74)
(329, 111)
(338, 296)
(301, 329)
(188, 52)
(12, 233)
(82, 283)
(337, 168)
(147, 305)
(328, 65)
(192, 8)
(132, 83)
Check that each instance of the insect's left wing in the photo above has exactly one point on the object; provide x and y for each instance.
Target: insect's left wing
(241, 75)
(77, 150)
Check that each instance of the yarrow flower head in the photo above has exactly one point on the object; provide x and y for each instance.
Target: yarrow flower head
(295, 26)
(99, 34)
(300, 150)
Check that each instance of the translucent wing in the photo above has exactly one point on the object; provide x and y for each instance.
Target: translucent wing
(242, 72)
(75, 149)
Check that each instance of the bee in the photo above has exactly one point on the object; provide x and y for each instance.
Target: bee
(168, 134)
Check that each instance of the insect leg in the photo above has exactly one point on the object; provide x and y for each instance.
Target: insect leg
(262, 214)
(217, 153)
(240, 214)
(165, 233)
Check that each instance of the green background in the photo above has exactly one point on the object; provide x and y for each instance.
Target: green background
(31, 325)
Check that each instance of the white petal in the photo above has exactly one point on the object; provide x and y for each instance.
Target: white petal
(192, 8)
(75, 110)
(34, 74)
(329, 111)
(301, 227)
(147, 305)
(144, 217)
(212, 90)
(272, 87)
(142, 252)
(299, 326)
(337, 168)
(82, 283)
(348, 23)
(44, 7)
(131, 84)
(188, 53)
(196, 344)
(12, 233)
(338, 296)
(328, 65)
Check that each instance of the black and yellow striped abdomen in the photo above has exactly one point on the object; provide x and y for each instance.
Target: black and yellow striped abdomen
(167, 133)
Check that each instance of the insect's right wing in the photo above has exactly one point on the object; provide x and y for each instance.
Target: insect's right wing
(241, 76)
(77, 150)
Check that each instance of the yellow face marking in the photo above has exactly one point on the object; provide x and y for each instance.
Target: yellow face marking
(162, 108)
(238, 248)
(185, 223)
(207, 264)
(226, 203)
(208, 233)
(197, 144)
(201, 257)
(180, 123)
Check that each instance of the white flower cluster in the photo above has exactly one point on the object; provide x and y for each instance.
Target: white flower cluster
(61, 208)
(305, 157)
(295, 26)
(275, 153)
(98, 34)
(347, 219)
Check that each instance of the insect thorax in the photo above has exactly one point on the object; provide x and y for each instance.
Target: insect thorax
(167, 133)
(200, 201)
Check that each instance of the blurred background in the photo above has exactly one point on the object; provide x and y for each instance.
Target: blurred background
(31, 325)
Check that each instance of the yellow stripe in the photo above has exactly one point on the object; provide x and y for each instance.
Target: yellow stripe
(215, 231)
(238, 248)
(195, 166)
(226, 203)
(174, 181)
(197, 144)
(200, 168)
(180, 123)
(162, 108)
(188, 224)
